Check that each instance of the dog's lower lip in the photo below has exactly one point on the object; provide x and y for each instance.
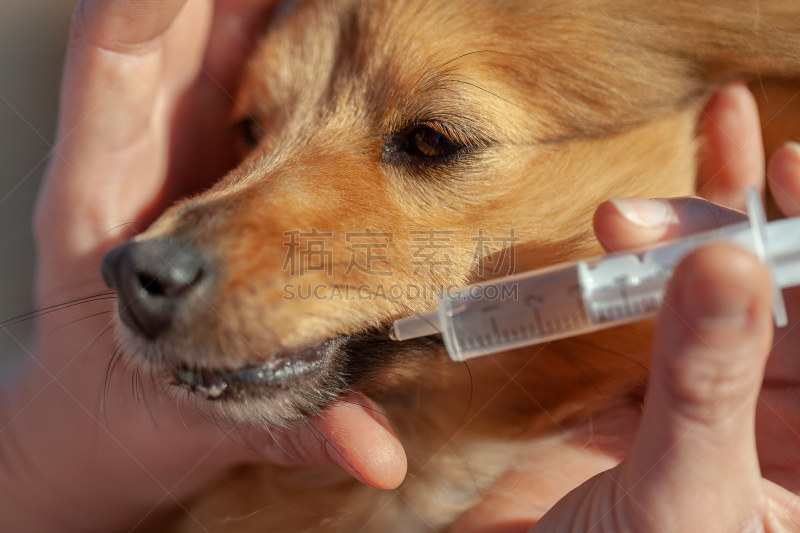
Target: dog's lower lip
(280, 372)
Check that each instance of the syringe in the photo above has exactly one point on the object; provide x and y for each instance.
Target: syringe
(584, 296)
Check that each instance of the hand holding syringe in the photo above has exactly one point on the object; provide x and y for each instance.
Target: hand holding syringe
(584, 296)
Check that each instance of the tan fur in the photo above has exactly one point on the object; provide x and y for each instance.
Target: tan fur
(567, 103)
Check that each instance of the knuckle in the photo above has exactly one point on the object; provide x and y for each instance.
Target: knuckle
(112, 28)
(700, 384)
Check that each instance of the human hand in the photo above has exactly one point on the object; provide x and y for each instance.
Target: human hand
(686, 489)
(719, 414)
(144, 120)
(734, 162)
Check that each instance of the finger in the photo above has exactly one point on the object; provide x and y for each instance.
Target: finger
(361, 440)
(625, 223)
(122, 26)
(697, 433)
(237, 25)
(113, 67)
(784, 178)
(111, 141)
(204, 150)
(732, 159)
(352, 434)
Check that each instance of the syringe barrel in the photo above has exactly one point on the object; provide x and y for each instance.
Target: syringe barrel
(585, 296)
(569, 299)
(512, 312)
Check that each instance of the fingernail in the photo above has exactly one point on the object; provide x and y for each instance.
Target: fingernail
(644, 213)
(793, 146)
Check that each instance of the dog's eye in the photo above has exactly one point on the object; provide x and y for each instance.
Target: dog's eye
(424, 146)
(248, 134)
(424, 141)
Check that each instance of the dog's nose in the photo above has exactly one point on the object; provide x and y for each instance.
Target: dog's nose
(153, 280)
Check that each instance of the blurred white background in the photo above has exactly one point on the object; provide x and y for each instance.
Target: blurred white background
(33, 35)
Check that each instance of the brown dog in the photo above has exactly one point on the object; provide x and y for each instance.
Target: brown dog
(382, 140)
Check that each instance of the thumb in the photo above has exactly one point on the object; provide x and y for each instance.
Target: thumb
(695, 450)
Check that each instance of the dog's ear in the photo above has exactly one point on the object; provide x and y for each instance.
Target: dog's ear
(731, 38)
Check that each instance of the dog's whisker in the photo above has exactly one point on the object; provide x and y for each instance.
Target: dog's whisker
(107, 380)
(466, 54)
(278, 443)
(490, 92)
(321, 437)
(133, 222)
(609, 351)
(154, 388)
(143, 397)
(71, 322)
(366, 407)
(178, 408)
(387, 386)
(134, 392)
(571, 360)
(58, 307)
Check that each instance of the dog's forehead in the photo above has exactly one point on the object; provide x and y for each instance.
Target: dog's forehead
(376, 51)
(544, 71)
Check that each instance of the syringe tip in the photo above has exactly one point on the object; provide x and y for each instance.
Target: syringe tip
(415, 326)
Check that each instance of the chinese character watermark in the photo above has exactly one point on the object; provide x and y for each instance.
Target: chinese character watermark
(312, 258)
(427, 245)
(483, 255)
(370, 247)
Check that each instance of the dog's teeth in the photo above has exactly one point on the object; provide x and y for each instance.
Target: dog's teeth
(211, 392)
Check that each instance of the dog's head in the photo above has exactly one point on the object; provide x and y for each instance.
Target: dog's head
(390, 150)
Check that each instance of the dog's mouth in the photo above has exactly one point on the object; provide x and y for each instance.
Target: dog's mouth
(283, 371)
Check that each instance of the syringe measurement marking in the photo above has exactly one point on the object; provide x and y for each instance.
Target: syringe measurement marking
(559, 324)
(636, 307)
(538, 317)
(564, 322)
(541, 327)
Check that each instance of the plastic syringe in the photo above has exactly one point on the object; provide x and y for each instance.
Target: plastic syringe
(584, 296)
